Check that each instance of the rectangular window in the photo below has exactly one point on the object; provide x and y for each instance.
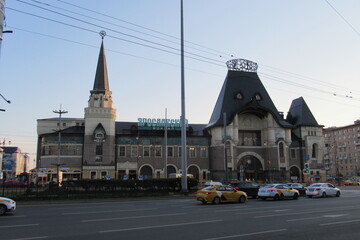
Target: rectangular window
(250, 138)
(170, 151)
(192, 152)
(134, 151)
(103, 174)
(93, 175)
(158, 151)
(179, 152)
(203, 152)
(99, 150)
(293, 153)
(122, 151)
(146, 152)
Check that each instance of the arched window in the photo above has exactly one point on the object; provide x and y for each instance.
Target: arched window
(314, 150)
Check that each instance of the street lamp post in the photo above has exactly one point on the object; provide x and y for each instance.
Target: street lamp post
(58, 164)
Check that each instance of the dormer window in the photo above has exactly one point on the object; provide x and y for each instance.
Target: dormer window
(239, 96)
(258, 97)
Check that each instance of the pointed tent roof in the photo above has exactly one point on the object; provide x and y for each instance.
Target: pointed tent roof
(101, 83)
(240, 94)
(300, 114)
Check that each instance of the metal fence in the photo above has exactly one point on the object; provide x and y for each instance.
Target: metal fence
(96, 189)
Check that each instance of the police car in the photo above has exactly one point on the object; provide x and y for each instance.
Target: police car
(7, 205)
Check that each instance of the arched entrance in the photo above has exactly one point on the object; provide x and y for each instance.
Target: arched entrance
(194, 171)
(170, 169)
(250, 168)
(146, 172)
(295, 173)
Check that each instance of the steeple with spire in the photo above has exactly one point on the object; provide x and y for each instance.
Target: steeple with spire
(100, 119)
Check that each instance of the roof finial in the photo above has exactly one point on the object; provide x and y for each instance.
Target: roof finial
(102, 34)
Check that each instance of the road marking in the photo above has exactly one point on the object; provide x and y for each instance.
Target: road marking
(282, 210)
(24, 225)
(244, 208)
(306, 212)
(247, 234)
(124, 218)
(342, 222)
(112, 211)
(325, 216)
(159, 226)
(30, 238)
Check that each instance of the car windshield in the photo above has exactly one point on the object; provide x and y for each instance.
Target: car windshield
(208, 188)
(269, 186)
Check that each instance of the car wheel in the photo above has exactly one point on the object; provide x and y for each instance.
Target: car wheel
(276, 197)
(296, 196)
(282, 197)
(338, 194)
(242, 199)
(216, 200)
(263, 198)
(2, 210)
(323, 195)
(203, 201)
(309, 196)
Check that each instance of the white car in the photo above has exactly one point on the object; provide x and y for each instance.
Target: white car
(7, 205)
(278, 192)
(322, 190)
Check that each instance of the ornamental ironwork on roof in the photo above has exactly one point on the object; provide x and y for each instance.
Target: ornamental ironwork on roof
(241, 65)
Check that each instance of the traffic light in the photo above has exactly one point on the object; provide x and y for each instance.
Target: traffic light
(306, 168)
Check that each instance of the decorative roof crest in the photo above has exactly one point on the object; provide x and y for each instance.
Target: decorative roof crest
(241, 65)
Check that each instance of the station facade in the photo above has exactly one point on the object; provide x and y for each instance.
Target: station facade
(246, 137)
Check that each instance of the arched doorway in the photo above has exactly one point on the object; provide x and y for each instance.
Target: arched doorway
(146, 172)
(250, 168)
(170, 169)
(295, 174)
(194, 171)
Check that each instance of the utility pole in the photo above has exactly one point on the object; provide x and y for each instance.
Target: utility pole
(183, 128)
(58, 164)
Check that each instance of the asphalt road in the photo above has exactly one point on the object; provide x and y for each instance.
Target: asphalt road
(185, 218)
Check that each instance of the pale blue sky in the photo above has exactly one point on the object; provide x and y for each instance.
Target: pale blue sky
(302, 42)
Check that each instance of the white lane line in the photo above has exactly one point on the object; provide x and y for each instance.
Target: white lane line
(306, 212)
(23, 225)
(325, 216)
(112, 211)
(30, 238)
(341, 222)
(244, 208)
(248, 234)
(124, 218)
(303, 219)
(159, 226)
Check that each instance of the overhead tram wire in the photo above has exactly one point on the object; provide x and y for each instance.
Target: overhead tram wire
(273, 77)
(271, 68)
(114, 51)
(222, 65)
(148, 29)
(343, 18)
(122, 39)
(114, 24)
(102, 14)
(125, 34)
(306, 78)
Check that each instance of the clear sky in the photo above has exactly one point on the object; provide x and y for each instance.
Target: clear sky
(308, 48)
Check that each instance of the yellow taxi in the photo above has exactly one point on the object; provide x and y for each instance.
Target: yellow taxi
(217, 194)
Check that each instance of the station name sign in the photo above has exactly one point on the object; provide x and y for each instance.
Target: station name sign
(159, 124)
